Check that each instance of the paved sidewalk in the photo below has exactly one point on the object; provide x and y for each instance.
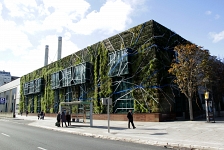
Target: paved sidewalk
(177, 134)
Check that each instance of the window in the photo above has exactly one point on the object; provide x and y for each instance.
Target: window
(56, 80)
(38, 85)
(66, 77)
(82, 73)
(118, 63)
(31, 87)
(26, 88)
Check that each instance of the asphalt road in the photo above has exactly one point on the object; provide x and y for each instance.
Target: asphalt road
(17, 135)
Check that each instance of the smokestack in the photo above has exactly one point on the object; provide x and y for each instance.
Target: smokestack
(59, 47)
(46, 56)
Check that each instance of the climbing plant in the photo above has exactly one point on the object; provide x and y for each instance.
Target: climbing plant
(149, 50)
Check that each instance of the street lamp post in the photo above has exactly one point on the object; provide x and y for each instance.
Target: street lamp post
(206, 105)
(209, 104)
(14, 106)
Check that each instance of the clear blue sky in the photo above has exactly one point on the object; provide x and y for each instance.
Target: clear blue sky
(26, 26)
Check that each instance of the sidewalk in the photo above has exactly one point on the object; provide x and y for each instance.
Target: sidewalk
(177, 134)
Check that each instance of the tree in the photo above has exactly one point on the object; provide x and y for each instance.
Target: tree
(216, 80)
(190, 69)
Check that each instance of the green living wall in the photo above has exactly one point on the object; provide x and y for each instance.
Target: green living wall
(145, 87)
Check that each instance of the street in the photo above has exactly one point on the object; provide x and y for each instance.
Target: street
(17, 135)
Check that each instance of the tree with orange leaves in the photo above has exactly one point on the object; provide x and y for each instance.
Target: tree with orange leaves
(190, 70)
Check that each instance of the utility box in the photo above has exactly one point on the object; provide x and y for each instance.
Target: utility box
(106, 100)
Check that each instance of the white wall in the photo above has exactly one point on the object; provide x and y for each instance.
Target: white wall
(11, 88)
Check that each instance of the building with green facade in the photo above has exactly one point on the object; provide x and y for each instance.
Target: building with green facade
(129, 67)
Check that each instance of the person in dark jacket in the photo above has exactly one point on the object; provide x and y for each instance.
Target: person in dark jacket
(42, 115)
(38, 116)
(68, 118)
(26, 113)
(59, 118)
(63, 119)
(130, 119)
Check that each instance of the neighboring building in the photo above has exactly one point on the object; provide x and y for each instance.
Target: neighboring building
(5, 77)
(10, 91)
(14, 78)
(130, 67)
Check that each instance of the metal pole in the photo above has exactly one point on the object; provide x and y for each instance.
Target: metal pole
(213, 111)
(60, 107)
(14, 98)
(91, 114)
(206, 109)
(108, 114)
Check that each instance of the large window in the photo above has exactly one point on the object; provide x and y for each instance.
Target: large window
(56, 79)
(26, 88)
(122, 95)
(118, 63)
(33, 87)
(38, 85)
(67, 77)
(82, 73)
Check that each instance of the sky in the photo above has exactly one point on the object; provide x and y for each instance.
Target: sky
(26, 26)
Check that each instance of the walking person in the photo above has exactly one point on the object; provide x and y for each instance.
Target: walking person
(58, 119)
(130, 119)
(26, 113)
(38, 116)
(68, 118)
(63, 119)
(42, 115)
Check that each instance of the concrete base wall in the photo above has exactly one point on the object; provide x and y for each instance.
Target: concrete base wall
(143, 117)
(5, 114)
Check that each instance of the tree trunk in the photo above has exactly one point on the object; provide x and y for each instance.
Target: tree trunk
(190, 109)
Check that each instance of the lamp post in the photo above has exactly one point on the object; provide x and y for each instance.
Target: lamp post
(209, 108)
(14, 106)
(206, 105)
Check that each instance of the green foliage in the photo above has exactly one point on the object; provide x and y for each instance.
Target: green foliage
(190, 70)
(148, 68)
(51, 110)
(35, 104)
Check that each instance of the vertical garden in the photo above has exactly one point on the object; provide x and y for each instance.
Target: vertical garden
(130, 67)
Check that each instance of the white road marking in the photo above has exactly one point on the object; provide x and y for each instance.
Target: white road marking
(41, 148)
(5, 134)
(17, 123)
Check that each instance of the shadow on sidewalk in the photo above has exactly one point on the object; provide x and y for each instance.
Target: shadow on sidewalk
(217, 119)
(97, 127)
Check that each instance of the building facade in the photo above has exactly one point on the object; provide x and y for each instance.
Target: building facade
(130, 67)
(5, 77)
(11, 92)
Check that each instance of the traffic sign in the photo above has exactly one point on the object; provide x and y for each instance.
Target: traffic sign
(2, 100)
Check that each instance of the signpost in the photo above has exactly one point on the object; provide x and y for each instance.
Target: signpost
(209, 108)
(108, 102)
(2, 100)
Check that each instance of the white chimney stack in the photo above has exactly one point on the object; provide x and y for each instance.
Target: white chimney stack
(59, 47)
(46, 55)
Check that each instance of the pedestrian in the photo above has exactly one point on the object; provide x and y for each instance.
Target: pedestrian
(42, 115)
(58, 119)
(21, 112)
(26, 113)
(38, 116)
(63, 119)
(130, 119)
(68, 118)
